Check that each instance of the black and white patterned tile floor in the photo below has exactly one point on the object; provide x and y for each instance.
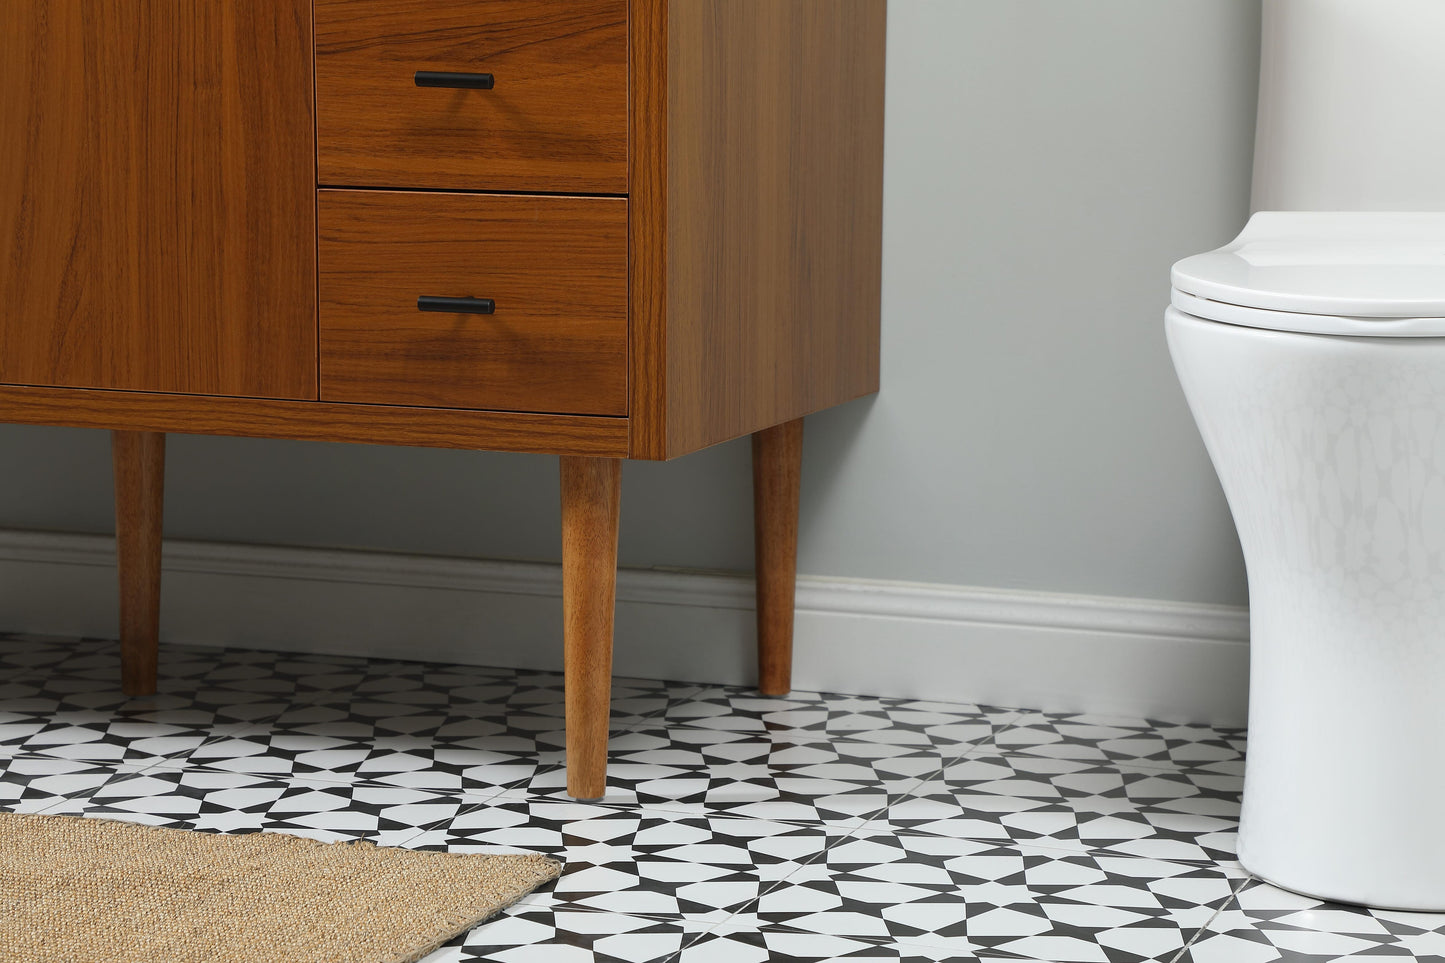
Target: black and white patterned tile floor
(736, 828)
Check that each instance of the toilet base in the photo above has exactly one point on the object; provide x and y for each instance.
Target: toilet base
(1281, 882)
(1331, 452)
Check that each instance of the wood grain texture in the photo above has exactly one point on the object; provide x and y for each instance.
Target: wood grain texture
(316, 421)
(555, 121)
(772, 185)
(156, 196)
(140, 468)
(777, 472)
(591, 506)
(647, 226)
(556, 268)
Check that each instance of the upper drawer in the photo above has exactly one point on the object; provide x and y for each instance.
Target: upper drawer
(555, 118)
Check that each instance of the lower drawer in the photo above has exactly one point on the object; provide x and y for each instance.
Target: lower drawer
(554, 270)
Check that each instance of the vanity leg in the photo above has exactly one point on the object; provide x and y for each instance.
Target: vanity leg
(591, 504)
(777, 469)
(140, 465)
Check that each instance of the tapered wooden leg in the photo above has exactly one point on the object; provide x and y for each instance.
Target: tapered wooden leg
(591, 504)
(140, 467)
(777, 469)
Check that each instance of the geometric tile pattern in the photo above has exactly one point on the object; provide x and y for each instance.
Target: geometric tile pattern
(1185, 815)
(736, 827)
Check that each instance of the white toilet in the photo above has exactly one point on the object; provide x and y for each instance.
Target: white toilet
(1312, 352)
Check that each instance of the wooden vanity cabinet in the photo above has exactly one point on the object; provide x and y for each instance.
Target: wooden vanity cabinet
(601, 229)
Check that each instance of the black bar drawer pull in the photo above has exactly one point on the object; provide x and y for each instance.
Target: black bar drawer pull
(439, 78)
(457, 305)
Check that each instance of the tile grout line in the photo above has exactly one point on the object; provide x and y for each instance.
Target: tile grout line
(115, 778)
(1224, 905)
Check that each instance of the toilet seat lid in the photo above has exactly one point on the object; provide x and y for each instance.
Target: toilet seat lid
(1349, 268)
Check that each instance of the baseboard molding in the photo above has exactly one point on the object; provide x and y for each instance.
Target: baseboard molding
(1133, 657)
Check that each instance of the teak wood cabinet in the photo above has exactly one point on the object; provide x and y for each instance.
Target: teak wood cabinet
(600, 229)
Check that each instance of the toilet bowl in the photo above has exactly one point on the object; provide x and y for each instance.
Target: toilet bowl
(1311, 350)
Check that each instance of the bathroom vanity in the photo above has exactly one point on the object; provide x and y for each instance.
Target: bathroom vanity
(600, 229)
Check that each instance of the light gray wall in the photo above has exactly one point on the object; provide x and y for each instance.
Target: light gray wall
(1047, 161)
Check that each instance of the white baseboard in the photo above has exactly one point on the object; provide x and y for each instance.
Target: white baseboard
(1163, 660)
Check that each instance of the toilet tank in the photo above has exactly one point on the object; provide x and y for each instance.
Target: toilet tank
(1351, 106)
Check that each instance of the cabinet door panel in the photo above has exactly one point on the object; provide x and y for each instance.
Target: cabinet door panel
(157, 206)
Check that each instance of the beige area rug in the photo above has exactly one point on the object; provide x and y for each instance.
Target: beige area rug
(75, 889)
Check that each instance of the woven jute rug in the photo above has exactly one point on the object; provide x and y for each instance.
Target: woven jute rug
(75, 889)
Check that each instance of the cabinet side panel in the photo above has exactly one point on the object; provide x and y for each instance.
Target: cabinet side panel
(647, 225)
(157, 207)
(774, 200)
